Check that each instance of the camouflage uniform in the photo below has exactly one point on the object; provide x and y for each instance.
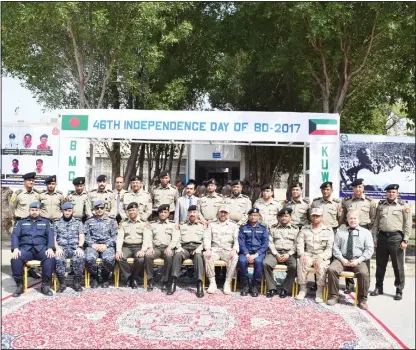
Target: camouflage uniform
(6, 223)
(107, 196)
(238, 208)
(50, 204)
(268, 210)
(143, 199)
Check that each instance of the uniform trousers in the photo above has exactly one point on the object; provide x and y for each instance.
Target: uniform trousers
(130, 251)
(390, 246)
(268, 265)
(224, 255)
(197, 260)
(48, 264)
(302, 269)
(361, 272)
(159, 253)
(77, 262)
(258, 267)
(108, 256)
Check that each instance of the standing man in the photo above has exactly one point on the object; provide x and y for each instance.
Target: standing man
(391, 231)
(32, 238)
(165, 237)
(184, 202)
(221, 243)
(209, 204)
(119, 194)
(105, 195)
(190, 246)
(138, 195)
(269, 207)
(331, 207)
(314, 249)
(6, 218)
(238, 204)
(133, 239)
(352, 247)
(253, 240)
(51, 200)
(282, 247)
(367, 209)
(101, 232)
(19, 205)
(300, 206)
(69, 243)
(164, 193)
(180, 186)
(81, 205)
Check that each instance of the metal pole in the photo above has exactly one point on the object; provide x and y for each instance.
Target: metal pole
(304, 170)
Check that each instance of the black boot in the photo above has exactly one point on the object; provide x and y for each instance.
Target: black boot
(133, 283)
(172, 286)
(164, 286)
(244, 287)
(105, 276)
(19, 287)
(77, 284)
(254, 291)
(199, 289)
(94, 281)
(33, 273)
(271, 293)
(45, 287)
(62, 285)
(399, 294)
(349, 285)
(150, 285)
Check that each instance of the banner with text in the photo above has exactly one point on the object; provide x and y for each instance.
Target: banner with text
(379, 160)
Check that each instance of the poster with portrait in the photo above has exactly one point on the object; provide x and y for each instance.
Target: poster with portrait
(28, 148)
(379, 160)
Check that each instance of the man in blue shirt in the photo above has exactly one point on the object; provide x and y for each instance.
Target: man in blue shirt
(253, 239)
(33, 239)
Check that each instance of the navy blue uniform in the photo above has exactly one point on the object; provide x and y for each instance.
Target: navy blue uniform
(33, 237)
(252, 240)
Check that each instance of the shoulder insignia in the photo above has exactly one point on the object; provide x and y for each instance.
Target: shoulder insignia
(273, 225)
(347, 198)
(306, 200)
(399, 201)
(153, 222)
(174, 187)
(317, 199)
(19, 191)
(336, 200)
(244, 196)
(171, 221)
(60, 192)
(94, 190)
(369, 198)
(111, 191)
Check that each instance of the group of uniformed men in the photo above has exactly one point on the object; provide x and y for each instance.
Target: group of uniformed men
(296, 233)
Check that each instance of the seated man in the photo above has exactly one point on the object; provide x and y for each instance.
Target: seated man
(133, 239)
(32, 239)
(189, 246)
(101, 232)
(352, 247)
(221, 243)
(253, 240)
(69, 238)
(165, 236)
(314, 248)
(282, 246)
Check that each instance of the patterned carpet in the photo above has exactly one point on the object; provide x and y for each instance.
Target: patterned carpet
(123, 318)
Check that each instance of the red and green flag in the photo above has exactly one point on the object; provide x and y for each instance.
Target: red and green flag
(74, 122)
(323, 127)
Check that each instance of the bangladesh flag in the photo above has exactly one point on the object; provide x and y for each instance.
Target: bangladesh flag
(323, 127)
(74, 122)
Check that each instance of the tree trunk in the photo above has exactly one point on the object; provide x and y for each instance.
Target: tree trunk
(131, 167)
(178, 169)
(165, 155)
(149, 163)
(290, 179)
(171, 154)
(157, 151)
(141, 159)
(115, 162)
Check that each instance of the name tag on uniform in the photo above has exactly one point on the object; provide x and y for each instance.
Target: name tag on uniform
(247, 231)
(259, 231)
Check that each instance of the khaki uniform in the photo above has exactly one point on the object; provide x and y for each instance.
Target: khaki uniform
(165, 195)
(316, 245)
(142, 198)
(132, 237)
(268, 210)
(300, 213)
(191, 240)
(107, 196)
(50, 204)
(332, 209)
(366, 206)
(282, 240)
(164, 234)
(208, 206)
(119, 196)
(221, 238)
(6, 223)
(81, 205)
(19, 203)
(238, 208)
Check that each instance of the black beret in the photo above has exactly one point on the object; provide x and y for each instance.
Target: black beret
(50, 179)
(101, 178)
(236, 182)
(132, 205)
(253, 210)
(267, 187)
(296, 184)
(163, 174)
(392, 187)
(326, 184)
(163, 207)
(136, 178)
(192, 207)
(12, 136)
(29, 176)
(285, 211)
(78, 181)
(357, 182)
(211, 182)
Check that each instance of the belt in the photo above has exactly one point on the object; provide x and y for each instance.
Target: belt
(388, 234)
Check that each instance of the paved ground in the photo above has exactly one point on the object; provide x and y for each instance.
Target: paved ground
(398, 316)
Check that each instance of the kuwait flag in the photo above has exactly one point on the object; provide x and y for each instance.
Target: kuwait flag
(74, 122)
(323, 127)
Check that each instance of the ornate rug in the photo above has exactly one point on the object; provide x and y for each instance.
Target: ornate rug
(124, 318)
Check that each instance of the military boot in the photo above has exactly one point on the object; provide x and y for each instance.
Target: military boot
(94, 281)
(150, 285)
(172, 286)
(105, 275)
(77, 284)
(19, 287)
(254, 290)
(62, 285)
(199, 289)
(45, 287)
(244, 287)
